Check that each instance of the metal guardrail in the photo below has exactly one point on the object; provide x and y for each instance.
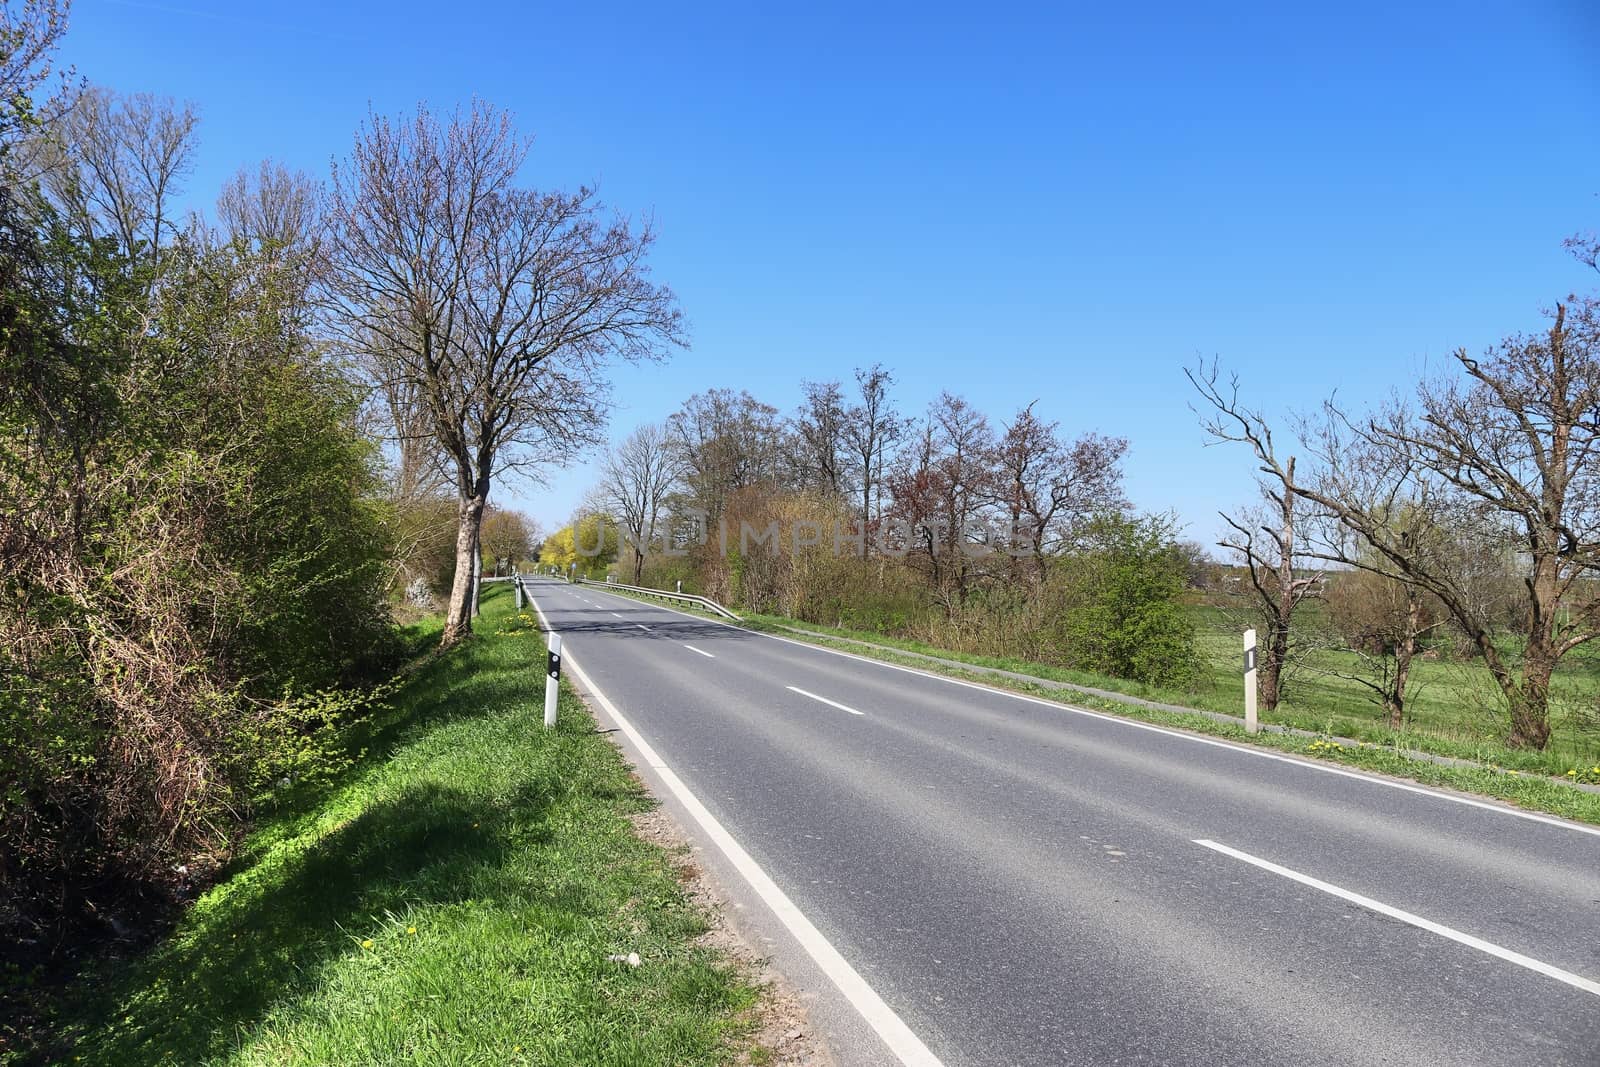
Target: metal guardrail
(685, 598)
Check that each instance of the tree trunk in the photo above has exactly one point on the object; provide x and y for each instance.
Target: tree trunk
(1405, 650)
(1395, 700)
(1272, 669)
(458, 617)
(1278, 631)
(1530, 702)
(638, 565)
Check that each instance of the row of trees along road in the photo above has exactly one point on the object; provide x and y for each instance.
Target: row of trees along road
(1086, 584)
(1490, 471)
(943, 472)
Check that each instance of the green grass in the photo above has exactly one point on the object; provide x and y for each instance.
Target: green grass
(1452, 705)
(454, 901)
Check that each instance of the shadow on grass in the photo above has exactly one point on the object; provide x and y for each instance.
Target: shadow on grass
(437, 687)
(271, 929)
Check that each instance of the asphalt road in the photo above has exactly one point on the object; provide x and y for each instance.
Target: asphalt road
(1023, 883)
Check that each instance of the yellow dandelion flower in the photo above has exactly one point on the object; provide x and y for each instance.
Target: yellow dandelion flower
(411, 930)
(367, 943)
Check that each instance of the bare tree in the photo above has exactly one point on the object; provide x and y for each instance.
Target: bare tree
(918, 486)
(635, 481)
(942, 485)
(1512, 447)
(725, 441)
(1047, 488)
(272, 208)
(501, 306)
(508, 536)
(1382, 621)
(823, 463)
(400, 416)
(277, 214)
(1269, 541)
(113, 166)
(872, 428)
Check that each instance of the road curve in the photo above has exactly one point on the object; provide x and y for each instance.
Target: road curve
(1026, 884)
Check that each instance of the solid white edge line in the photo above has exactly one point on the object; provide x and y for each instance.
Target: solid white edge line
(702, 651)
(1548, 970)
(889, 1027)
(1242, 749)
(824, 700)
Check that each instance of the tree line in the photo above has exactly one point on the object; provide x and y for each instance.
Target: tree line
(1013, 538)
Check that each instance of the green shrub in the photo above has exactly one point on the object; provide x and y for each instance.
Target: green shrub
(189, 537)
(1130, 622)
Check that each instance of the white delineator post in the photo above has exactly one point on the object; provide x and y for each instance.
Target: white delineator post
(552, 681)
(477, 576)
(1251, 725)
(516, 583)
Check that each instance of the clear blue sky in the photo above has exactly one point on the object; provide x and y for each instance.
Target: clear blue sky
(1053, 202)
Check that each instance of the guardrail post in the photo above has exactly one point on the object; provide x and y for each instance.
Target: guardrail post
(1251, 725)
(552, 681)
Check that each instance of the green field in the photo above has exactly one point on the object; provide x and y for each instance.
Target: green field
(1453, 705)
(454, 901)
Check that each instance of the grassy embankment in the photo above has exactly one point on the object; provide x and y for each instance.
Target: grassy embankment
(453, 901)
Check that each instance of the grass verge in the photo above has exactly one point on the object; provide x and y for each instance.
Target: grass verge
(457, 900)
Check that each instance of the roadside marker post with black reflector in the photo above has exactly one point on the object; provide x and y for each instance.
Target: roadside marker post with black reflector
(1251, 725)
(516, 583)
(552, 681)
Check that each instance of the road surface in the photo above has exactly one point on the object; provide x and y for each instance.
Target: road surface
(1017, 882)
